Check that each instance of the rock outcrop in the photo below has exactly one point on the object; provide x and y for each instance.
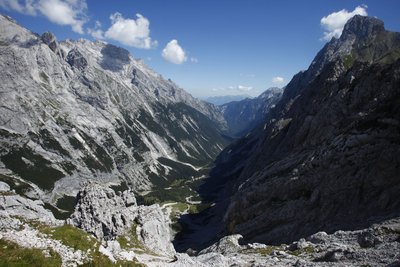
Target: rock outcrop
(15, 206)
(76, 59)
(107, 215)
(377, 245)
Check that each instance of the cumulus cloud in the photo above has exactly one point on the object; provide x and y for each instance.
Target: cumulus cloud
(96, 32)
(25, 7)
(277, 80)
(63, 12)
(174, 53)
(333, 24)
(67, 12)
(130, 32)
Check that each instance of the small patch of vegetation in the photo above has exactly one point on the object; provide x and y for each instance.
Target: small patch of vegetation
(104, 163)
(66, 203)
(80, 240)
(75, 143)
(348, 61)
(7, 134)
(38, 170)
(58, 214)
(49, 142)
(70, 236)
(19, 186)
(13, 255)
(100, 260)
(306, 250)
(132, 241)
(45, 78)
(68, 167)
(121, 187)
(262, 251)
(197, 208)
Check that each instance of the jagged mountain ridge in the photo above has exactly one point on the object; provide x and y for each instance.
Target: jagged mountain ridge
(242, 116)
(326, 156)
(223, 99)
(79, 110)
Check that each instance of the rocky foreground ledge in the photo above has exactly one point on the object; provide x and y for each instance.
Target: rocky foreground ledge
(109, 229)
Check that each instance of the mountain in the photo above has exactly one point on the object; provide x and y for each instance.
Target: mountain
(223, 99)
(78, 114)
(74, 111)
(326, 157)
(242, 116)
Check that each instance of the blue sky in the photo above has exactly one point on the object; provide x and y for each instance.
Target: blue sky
(207, 47)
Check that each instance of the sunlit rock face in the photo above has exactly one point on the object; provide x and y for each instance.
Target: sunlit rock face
(74, 111)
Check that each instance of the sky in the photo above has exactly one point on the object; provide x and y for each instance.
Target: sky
(207, 47)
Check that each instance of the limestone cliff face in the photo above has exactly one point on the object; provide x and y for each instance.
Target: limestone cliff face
(326, 157)
(74, 111)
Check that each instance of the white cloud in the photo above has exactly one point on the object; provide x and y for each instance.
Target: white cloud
(174, 53)
(277, 80)
(26, 7)
(130, 32)
(244, 88)
(241, 88)
(65, 12)
(96, 32)
(333, 23)
(62, 12)
(194, 60)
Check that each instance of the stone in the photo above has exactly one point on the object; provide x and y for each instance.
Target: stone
(76, 59)
(227, 244)
(367, 240)
(4, 187)
(107, 215)
(18, 206)
(49, 39)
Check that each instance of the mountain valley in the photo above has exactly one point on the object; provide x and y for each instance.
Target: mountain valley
(104, 162)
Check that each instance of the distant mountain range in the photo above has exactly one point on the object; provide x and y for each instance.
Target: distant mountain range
(242, 116)
(220, 100)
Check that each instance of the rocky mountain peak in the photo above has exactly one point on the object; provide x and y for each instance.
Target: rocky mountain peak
(362, 26)
(48, 38)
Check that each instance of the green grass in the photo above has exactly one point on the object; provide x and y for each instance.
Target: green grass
(132, 242)
(306, 250)
(80, 240)
(68, 235)
(12, 255)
